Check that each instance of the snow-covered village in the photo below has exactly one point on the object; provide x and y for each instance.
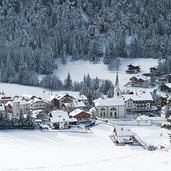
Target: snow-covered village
(85, 85)
(127, 126)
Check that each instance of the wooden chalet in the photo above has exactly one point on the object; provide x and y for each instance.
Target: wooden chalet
(132, 69)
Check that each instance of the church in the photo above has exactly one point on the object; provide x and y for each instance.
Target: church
(111, 107)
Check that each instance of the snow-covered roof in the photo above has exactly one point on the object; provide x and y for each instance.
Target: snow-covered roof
(20, 101)
(169, 98)
(139, 96)
(8, 103)
(168, 85)
(164, 109)
(118, 101)
(36, 100)
(123, 131)
(51, 98)
(61, 116)
(35, 113)
(81, 97)
(58, 96)
(143, 117)
(27, 96)
(75, 104)
(76, 112)
(61, 95)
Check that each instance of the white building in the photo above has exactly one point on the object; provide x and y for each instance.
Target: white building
(20, 106)
(138, 102)
(123, 134)
(37, 104)
(111, 107)
(147, 121)
(60, 119)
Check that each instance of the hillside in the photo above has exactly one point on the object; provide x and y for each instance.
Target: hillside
(34, 33)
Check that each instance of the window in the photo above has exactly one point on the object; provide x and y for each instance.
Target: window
(115, 114)
(112, 111)
(102, 112)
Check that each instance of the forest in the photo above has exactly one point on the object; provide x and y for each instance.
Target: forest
(33, 33)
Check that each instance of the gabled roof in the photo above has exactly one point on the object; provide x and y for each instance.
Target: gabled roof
(139, 96)
(61, 116)
(28, 96)
(37, 100)
(59, 96)
(20, 101)
(77, 111)
(75, 104)
(118, 101)
(168, 85)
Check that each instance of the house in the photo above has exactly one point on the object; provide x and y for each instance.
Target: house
(29, 97)
(139, 81)
(123, 134)
(161, 101)
(166, 87)
(165, 79)
(38, 104)
(74, 105)
(110, 107)
(80, 115)
(138, 102)
(60, 119)
(144, 120)
(132, 69)
(5, 99)
(166, 109)
(39, 114)
(20, 106)
(9, 106)
(57, 101)
(147, 121)
(154, 71)
(82, 98)
(113, 107)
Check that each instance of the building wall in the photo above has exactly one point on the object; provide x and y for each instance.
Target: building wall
(108, 111)
(39, 105)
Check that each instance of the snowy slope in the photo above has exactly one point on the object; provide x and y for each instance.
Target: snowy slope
(35, 150)
(77, 69)
(16, 89)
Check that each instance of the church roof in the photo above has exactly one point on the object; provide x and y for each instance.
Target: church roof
(109, 102)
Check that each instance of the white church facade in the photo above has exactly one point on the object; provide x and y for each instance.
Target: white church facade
(111, 107)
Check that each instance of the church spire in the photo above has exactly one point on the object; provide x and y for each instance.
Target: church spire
(117, 80)
(117, 90)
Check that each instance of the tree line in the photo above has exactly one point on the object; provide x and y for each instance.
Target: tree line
(35, 32)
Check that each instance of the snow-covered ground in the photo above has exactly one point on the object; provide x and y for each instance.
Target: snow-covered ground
(78, 69)
(36, 150)
(16, 89)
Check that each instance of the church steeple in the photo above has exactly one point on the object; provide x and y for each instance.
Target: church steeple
(117, 81)
(117, 90)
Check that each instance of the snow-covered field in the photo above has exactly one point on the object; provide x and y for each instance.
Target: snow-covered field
(16, 89)
(35, 150)
(77, 69)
